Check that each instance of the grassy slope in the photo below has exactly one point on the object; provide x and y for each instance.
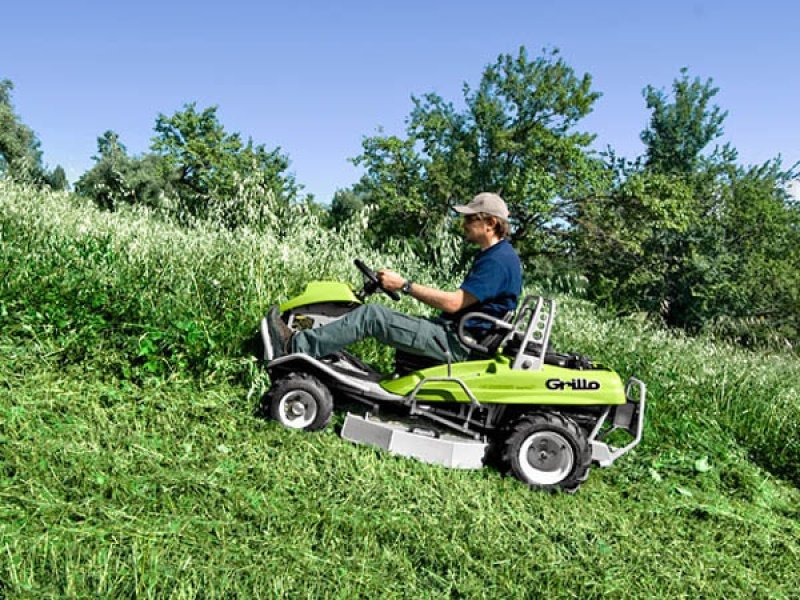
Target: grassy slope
(170, 486)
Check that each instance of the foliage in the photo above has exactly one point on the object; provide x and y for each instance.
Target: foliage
(681, 127)
(747, 284)
(20, 152)
(196, 172)
(516, 136)
(630, 242)
(698, 240)
(210, 163)
(117, 179)
(346, 205)
(57, 179)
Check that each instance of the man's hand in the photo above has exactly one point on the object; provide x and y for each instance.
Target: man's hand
(390, 280)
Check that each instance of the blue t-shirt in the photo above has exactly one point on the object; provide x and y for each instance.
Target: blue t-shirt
(495, 280)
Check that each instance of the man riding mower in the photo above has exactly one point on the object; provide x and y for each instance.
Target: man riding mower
(479, 380)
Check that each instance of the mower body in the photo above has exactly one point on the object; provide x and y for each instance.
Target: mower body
(546, 415)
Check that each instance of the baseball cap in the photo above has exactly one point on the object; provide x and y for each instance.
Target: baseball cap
(485, 202)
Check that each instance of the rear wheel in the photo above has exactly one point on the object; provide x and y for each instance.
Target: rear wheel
(300, 401)
(548, 451)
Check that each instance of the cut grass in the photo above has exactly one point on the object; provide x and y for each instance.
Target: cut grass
(177, 489)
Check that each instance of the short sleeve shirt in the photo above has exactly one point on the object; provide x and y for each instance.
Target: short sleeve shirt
(495, 280)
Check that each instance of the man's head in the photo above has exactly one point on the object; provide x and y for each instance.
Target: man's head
(489, 210)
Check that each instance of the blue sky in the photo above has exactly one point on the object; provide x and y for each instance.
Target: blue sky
(316, 77)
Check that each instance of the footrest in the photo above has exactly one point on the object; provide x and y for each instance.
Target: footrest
(424, 443)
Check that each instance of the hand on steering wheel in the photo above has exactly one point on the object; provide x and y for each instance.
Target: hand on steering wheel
(373, 279)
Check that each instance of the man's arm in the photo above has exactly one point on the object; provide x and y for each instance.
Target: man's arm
(449, 302)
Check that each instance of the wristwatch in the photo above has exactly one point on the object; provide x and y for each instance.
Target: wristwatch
(406, 289)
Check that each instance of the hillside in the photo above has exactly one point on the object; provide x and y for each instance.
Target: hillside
(133, 462)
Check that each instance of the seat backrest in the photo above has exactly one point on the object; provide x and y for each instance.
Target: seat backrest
(528, 332)
(487, 344)
(494, 336)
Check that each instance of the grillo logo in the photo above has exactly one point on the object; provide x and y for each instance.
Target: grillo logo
(576, 384)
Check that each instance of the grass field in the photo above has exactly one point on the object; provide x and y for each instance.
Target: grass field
(132, 462)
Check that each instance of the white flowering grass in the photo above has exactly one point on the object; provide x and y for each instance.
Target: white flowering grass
(153, 278)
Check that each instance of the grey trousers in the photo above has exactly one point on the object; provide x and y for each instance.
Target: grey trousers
(414, 335)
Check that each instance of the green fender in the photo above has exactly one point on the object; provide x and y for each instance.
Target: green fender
(322, 292)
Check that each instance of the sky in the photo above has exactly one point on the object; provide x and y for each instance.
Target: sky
(314, 78)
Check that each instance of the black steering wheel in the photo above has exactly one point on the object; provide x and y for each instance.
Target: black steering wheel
(372, 282)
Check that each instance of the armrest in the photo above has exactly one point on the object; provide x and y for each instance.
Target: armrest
(470, 343)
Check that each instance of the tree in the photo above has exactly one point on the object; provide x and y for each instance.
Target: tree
(20, 149)
(516, 136)
(117, 178)
(681, 126)
(20, 154)
(746, 282)
(702, 242)
(344, 206)
(210, 163)
(57, 179)
(196, 170)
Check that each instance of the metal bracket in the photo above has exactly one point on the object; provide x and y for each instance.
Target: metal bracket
(628, 416)
(414, 408)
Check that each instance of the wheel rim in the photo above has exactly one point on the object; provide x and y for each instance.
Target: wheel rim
(297, 409)
(546, 458)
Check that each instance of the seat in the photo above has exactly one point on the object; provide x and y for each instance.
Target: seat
(525, 338)
(405, 362)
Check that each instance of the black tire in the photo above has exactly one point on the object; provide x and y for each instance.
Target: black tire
(300, 401)
(548, 452)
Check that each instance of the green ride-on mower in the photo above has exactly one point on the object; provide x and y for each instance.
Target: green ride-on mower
(545, 417)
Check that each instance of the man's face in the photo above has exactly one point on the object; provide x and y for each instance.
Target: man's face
(477, 229)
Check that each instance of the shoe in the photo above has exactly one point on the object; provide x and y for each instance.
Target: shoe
(280, 335)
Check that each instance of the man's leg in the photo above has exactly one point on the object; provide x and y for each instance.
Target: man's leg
(410, 334)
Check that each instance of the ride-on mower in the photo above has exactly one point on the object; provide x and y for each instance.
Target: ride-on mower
(544, 416)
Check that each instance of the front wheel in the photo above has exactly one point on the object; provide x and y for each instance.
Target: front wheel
(548, 451)
(300, 401)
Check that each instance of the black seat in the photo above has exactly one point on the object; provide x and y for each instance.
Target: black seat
(405, 362)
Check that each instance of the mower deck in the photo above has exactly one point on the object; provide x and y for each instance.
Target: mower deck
(406, 437)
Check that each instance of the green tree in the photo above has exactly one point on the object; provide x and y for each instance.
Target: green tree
(57, 179)
(20, 155)
(20, 150)
(209, 163)
(681, 126)
(516, 136)
(745, 283)
(117, 178)
(630, 242)
(697, 239)
(344, 206)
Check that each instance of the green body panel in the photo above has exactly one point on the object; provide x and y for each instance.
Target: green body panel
(318, 292)
(494, 382)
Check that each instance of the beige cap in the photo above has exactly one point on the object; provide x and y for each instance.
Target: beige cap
(485, 202)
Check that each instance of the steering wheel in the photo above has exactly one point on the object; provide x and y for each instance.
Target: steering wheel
(373, 282)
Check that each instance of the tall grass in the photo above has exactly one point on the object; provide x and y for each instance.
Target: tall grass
(132, 464)
(155, 297)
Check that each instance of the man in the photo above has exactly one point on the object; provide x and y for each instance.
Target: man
(492, 286)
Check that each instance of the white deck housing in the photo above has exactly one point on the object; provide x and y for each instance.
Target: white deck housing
(406, 438)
